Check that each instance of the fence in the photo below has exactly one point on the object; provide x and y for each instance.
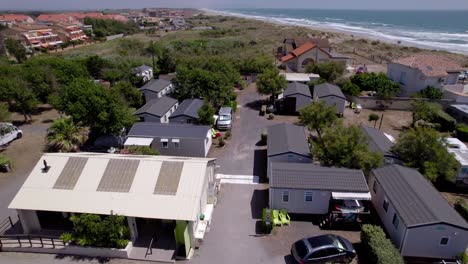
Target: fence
(394, 103)
(31, 241)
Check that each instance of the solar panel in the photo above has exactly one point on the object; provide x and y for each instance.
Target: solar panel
(118, 176)
(70, 173)
(169, 178)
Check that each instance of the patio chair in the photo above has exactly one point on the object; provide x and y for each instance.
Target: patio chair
(284, 217)
(275, 218)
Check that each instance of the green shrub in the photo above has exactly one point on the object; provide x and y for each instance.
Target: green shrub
(431, 92)
(66, 237)
(4, 161)
(234, 106)
(139, 150)
(462, 132)
(379, 249)
(462, 208)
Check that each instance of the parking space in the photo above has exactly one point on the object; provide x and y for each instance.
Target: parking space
(236, 237)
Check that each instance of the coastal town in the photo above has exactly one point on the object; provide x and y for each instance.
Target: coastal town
(165, 135)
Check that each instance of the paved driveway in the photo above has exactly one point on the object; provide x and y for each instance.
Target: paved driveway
(242, 155)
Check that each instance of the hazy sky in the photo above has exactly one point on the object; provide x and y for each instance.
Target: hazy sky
(336, 4)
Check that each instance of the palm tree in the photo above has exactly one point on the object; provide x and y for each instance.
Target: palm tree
(65, 136)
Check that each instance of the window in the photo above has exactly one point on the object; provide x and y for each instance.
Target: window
(285, 196)
(176, 143)
(444, 241)
(395, 221)
(374, 186)
(403, 78)
(308, 195)
(385, 204)
(165, 142)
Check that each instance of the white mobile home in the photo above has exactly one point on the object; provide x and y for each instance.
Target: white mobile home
(417, 217)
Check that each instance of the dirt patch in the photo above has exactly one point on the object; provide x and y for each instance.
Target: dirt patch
(393, 122)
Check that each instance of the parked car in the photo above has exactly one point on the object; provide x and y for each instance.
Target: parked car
(224, 121)
(8, 133)
(323, 249)
(463, 75)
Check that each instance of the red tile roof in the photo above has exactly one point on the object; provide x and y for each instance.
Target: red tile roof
(14, 17)
(430, 65)
(299, 51)
(55, 18)
(83, 15)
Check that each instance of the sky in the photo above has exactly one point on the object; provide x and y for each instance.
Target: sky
(317, 4)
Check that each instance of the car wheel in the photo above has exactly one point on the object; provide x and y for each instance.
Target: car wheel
(347, 260)
(19, 135)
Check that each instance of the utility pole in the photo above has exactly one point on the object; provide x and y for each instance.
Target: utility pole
(381, 120)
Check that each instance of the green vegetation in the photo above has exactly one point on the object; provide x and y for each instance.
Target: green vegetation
(6, 163)
(462, 132)
(378, 82)
(5, 114)
(109, 27)
(336, 144)
(16, 49)
(89, 104)
(431, 92)
(377, 248)
(205, 114)
(462, 208)
(350, 88)
(139, 150)
(433, 113)
(128, 93)
(271, 83)
(98, 231)
(329, 71)
(65, 136)
(423, 148)
(374, 118)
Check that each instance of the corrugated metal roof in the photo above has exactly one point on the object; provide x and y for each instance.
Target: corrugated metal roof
(155, 85)
(327, 89)
(377, 141)
(157, 107)
(284, 138)
(297, 88)
(37, 193)
(310, 176)
(188, 107)
(152, 129)
(415, 198)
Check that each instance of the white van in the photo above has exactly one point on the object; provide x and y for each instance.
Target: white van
(8, 133)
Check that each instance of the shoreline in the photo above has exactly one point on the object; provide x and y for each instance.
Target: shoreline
(346, 34)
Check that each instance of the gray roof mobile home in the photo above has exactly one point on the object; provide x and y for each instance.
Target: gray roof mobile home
(296, 96)
(172, 139)
(417, 217)
(156, 88)
(157, 110)
(291, 183)
(187, 112)
(378, 141)
(331, 94)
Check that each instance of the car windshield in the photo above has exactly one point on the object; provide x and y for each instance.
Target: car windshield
(224, 117)
(339, 244)
(301, 249)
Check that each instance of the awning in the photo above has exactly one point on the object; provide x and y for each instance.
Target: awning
(351, 195)
(134, 141)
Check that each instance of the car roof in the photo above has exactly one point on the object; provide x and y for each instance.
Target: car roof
(320, 241)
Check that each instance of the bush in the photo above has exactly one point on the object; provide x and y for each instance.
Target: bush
(5, 114)
(66, 237)
(462, 208)
(233, 105)
(139, 150)
(462, 132)
(431, 92)
(5, 161)
(379, 249)
(221, 142)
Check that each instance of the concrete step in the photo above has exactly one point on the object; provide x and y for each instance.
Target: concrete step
(238, 179)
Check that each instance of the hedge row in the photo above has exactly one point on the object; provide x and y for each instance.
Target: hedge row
(377, 248)
(462, 208)
(462, 132)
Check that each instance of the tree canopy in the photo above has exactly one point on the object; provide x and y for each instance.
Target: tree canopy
(318, 116)
(345, 147)
(89, 104)
(424, 149)
(330, 71)
(205, 115)
(433, 113)
(350, 88)
(271, 83)
(378, 82)
(65, 136)
(16, 49)
(431, 92)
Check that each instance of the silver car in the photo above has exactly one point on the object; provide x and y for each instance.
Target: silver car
(323, 249)
(225, 118)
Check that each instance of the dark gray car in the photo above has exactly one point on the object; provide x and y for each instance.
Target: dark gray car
(322, 249)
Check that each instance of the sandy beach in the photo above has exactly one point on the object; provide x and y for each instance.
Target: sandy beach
(364, 48)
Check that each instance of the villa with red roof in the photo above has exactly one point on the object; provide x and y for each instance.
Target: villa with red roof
(309, 52)
(55, 18)
(419, 71)
(12, 19)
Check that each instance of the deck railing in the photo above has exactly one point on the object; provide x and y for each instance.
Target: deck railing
(150, 246)
(30, 241)
(6, 224)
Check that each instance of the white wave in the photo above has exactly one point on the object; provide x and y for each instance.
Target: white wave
(381, 31)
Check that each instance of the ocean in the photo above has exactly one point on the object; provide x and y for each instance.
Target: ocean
(440, 30)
